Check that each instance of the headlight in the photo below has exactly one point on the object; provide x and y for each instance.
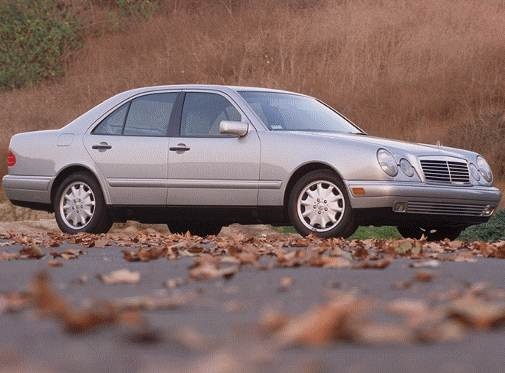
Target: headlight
(474, 172)
(387, 162)
(484, 169)
(406, 167)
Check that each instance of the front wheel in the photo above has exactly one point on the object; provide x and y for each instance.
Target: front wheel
(431, 234)
(79, 205)
(319, 205)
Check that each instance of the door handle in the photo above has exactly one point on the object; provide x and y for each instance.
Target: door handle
(102, 146)
(179, 148)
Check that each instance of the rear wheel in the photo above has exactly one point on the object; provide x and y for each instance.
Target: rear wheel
(319, 205)
(201, 229)
(79, 205)
(431, 234)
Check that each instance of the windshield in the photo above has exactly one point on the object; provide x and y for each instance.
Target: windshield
(290, 112)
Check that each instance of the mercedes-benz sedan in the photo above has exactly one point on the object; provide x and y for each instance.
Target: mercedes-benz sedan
(198, 157)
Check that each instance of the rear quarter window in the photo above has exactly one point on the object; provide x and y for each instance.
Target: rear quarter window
(113, 123)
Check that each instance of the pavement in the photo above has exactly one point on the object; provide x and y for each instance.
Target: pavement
(217, 330)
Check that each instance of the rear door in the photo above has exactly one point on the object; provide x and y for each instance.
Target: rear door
(207, 168)
(130, 148)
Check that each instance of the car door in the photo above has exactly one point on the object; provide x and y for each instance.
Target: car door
(207, 168)
(130, 149)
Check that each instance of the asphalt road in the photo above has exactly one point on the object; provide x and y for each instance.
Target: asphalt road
(226, 314)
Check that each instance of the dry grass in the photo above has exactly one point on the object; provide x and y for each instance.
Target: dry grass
(423, 70)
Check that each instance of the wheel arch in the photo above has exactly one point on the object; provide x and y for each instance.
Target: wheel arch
(70, 169)
(302, 170)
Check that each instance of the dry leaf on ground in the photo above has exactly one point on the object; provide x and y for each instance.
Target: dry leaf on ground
(121, 276)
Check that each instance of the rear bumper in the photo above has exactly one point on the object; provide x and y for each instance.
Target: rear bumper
(27, 189)
(395, 203)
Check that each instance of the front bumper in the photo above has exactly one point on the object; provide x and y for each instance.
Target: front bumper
(27, 189)
(473, 204)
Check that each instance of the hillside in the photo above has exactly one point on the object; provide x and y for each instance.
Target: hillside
(423, 71)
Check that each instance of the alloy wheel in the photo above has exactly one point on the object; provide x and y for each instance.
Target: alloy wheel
(321, 206)
(77, 205)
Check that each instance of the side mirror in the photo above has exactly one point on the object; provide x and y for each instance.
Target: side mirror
(229, 127)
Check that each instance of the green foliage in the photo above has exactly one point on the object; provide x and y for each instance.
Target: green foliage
(35, 38)
(493, 230)
(143, 8)
(362, 233)
(378, 233)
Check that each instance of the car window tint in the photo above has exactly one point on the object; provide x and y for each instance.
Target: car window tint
(292, 112)
(113, 123)
(149, 115)
(202, 113)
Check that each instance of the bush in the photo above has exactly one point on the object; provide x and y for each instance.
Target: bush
(35, 39)
(142, 8)
(493, 230)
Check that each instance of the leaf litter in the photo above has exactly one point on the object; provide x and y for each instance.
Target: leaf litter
(348, 318)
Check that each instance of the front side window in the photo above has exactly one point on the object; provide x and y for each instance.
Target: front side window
(150, 115)
(202, 113)
(290, 112)
(113, 123)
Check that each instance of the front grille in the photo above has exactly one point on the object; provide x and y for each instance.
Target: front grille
(445, 172)
(442, 208)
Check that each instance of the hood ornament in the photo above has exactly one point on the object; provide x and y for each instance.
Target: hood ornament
(439, 144)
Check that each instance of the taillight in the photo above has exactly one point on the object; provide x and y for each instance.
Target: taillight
(11, 159)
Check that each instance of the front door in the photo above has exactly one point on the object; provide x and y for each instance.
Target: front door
(130, 149)
(207, 168)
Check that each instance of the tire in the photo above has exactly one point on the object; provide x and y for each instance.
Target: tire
(86, 198)
(201, 229)
(330, 217)
(433, 234)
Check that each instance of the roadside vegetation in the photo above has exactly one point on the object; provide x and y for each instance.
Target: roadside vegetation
(492, 231)
(36, 38)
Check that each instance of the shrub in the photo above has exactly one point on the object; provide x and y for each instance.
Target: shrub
(142, 8)
(493, 230)
(35, 39)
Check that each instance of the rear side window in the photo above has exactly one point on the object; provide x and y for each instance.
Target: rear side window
(113, 123)
(150, 115)
(202, 113)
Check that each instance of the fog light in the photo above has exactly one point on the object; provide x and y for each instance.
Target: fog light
(488, 210)
(400, 207)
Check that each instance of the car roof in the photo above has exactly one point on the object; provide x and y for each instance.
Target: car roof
(212, 86)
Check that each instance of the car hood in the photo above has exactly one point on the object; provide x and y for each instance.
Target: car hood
(395, 146)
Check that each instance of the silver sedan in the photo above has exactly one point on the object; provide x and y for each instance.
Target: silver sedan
(198, 157)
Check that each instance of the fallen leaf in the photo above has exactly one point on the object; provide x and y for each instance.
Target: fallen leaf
(207, 267)
(174, 282)
(121, 276)
(51, 304)
(477, 313)
(425, 264)
(5, 256)
(151, 303)
(374, 333)
(444, 331)
(372, 264)
(54, 263)
(286, 282)
(31, 252)
(14, 302)
(321, 324)
(67, 254)
(424, 276)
